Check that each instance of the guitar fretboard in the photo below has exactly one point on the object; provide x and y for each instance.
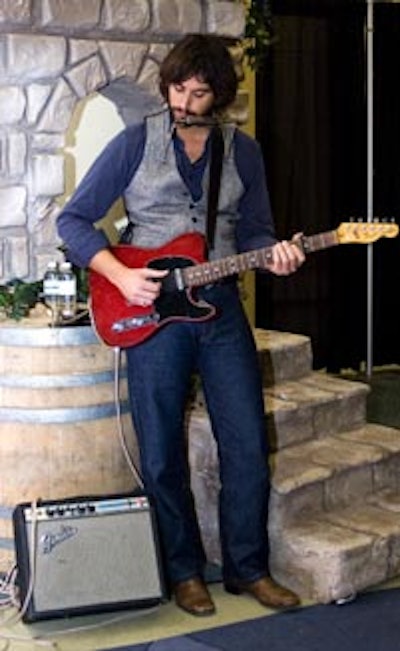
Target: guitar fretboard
(209, 272)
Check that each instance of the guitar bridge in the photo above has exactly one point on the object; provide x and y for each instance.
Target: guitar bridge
(135, 322)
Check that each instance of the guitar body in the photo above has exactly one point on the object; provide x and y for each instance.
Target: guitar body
(121, 324)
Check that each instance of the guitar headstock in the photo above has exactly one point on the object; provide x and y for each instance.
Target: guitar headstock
(365, 232)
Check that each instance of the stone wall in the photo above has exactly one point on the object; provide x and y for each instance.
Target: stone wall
(53, 54)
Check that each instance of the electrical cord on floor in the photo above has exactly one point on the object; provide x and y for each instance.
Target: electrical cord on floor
(8, 596)
(10, 591)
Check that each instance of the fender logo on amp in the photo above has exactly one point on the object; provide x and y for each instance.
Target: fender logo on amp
(48, 541)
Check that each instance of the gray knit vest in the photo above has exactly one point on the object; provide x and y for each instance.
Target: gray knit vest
(159, 204)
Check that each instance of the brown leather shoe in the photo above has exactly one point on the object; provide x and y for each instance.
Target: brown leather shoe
(193, 597)
(266, 591)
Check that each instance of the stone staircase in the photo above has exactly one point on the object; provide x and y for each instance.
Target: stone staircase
(335, 503)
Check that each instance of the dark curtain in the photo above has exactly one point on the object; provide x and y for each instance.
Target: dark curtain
(312, 125)
(387, 180)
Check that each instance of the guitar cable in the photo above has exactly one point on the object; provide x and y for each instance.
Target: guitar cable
(120, 429)
(117, 402)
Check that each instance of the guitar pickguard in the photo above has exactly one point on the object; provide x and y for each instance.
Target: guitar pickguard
(172, 303)
(123, 324)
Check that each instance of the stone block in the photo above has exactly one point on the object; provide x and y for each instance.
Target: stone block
(56, 116)
(306, 501)
(375, 434)
(326, 562)
(17, 149)
(126, 15)
(37, 96)
(47, 175)
(47, 142)
(13, 147)
(386, 499)
(88, 76)
(33, 56)
(283, 356)
(176, 16)
(332, 411)
(349, 487)
(349, 396)
(73, 13)
(283, 429)
(387, 473)
(377, 520)
(81, 49)
(12, 206)
(16, 256)
(226, 18)
(15, 12)
(319, 411)
(295, 467)
(123, 59)
(12, 104)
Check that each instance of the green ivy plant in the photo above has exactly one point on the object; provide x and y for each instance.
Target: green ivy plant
(18, 297)
(258, 32)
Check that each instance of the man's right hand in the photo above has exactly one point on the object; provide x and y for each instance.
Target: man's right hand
(139, 286)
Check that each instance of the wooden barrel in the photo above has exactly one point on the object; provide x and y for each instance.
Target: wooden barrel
(59, 434)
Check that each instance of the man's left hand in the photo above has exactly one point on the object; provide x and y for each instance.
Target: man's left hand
(287, 256)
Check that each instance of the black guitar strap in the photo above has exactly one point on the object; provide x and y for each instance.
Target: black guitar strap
(217, 155)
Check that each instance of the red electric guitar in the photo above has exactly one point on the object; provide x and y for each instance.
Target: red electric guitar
(121, 324)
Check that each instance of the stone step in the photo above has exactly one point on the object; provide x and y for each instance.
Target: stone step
(283, 355)
(330, 556)
(334, 472)
(315, 406)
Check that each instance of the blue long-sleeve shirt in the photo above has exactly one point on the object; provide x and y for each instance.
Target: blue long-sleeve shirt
(113, 170)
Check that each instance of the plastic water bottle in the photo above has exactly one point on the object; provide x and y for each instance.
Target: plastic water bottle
(67, 291)
(51, 289)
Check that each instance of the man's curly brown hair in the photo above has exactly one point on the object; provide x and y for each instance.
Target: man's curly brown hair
(207, 57)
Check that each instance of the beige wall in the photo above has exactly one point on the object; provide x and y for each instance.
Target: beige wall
(249, 298)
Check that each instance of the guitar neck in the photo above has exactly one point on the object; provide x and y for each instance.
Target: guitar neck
(209, 272)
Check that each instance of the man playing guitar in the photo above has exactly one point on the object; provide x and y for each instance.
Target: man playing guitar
(161, 167)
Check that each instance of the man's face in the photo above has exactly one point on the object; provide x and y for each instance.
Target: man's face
(190, 97)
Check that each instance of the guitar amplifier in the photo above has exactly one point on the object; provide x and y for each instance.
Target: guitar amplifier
(87, 555)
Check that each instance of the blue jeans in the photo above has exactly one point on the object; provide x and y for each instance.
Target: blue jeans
(222, 351)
